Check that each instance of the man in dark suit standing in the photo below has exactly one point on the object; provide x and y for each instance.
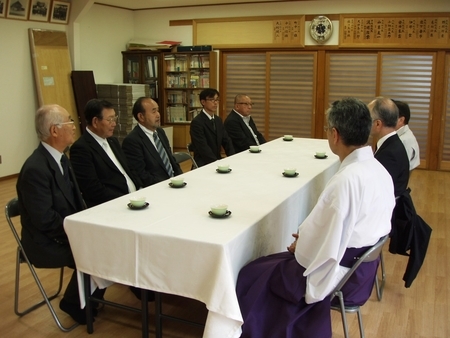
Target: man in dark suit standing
(152, 163)
(48, 192)
(98, 160)
(390, 151)
(240, 126)
(208, 134)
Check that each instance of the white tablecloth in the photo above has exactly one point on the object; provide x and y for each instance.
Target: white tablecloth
(175, 247)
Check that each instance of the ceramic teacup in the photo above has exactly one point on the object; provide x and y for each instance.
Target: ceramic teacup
(137, 201)
(223, 167)
(290, 171)
(321, 153)
(288, 137)
(254, 149)
(177, 181)
(219, 209)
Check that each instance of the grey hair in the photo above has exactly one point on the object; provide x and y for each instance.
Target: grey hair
(47, 116)
(385, 110)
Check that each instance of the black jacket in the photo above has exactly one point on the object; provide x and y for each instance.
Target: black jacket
(409, 232)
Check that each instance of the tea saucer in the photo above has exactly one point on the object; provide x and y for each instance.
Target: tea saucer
(257, 151)
(321, 157)
(225, 215)
(132, 207)
(223, 172)
(288, 139)
(177, 186)
(286, 175)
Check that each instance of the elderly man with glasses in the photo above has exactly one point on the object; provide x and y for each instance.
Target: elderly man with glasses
(240, 126)
(98, 160)
(48, 192)
(208, 134)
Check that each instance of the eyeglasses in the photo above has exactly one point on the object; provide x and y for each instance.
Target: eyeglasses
(213, 100)
(63, 123)
(111, 119)
(248, 104)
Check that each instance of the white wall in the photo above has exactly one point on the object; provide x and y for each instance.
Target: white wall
(101, 33)
(18, 99)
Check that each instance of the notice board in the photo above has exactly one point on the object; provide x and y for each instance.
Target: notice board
(52, 70)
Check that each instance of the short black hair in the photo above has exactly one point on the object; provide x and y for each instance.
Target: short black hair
(94, 108)
(208, 93)
(351, 118)
(403, 110)
(138, 107)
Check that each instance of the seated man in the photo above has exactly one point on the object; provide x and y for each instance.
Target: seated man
(240, 126)
(151, 163)
(207, 132)
(48, 192)
(406, 135)
(98, 161)
(351, 215)
(390, 151)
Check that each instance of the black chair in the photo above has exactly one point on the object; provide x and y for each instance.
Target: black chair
(369, 256)
(12, 210)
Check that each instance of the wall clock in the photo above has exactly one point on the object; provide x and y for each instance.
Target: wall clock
(320, 28)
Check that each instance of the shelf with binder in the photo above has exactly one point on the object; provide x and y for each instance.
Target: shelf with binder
(143, 67)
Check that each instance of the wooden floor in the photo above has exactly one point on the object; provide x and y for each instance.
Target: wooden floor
(420, 311)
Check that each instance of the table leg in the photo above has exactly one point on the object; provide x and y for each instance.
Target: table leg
(144, 304)
(158, 318)
(87, 296)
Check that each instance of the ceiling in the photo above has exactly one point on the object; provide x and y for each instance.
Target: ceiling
(152, 4)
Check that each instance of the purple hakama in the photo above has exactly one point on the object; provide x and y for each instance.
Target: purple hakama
(271, 293)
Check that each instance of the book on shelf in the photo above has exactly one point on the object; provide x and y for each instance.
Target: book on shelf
(176, 114)
(152, 66)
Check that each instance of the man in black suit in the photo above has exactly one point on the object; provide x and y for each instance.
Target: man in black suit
(240, 126)
(208, 134)
(390, 151)
(98, 160)
(140, 145)
(48, 192)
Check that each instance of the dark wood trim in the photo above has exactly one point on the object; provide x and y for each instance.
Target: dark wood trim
(5, 178)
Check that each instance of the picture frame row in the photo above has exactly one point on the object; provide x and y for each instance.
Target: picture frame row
(36, 10)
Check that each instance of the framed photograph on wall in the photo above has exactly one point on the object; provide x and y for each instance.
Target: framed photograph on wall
(60, 12)
(39, 10)
(18, 9)
(3, 5)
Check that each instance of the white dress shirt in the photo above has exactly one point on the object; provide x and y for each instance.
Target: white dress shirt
(105, 145)
(247, 122)
(411, 146)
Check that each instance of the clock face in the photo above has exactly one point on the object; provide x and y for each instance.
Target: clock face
(321, 28)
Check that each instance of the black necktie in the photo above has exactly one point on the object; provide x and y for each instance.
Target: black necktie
(65, 166)
(213, 124)
(163, 154)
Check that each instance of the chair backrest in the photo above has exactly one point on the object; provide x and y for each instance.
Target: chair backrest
(182, 156)
(369, 256)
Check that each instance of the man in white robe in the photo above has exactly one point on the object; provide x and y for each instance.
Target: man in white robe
(353, 212)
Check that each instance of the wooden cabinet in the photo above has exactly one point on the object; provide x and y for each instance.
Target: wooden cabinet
(143, 67)
(185, 75)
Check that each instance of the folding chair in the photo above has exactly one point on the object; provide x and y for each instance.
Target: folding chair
(190, 150)
(183, 156)
(379, 285)
(369, 256)
(12, 210)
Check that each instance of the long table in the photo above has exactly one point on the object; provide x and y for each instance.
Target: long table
(173, 246)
